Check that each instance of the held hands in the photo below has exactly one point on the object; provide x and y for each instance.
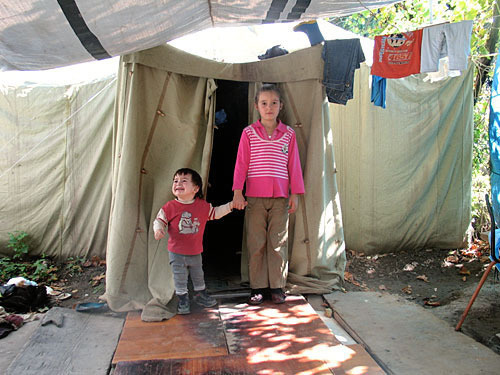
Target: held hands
(239, 201)
(293, 202)
(159, 234)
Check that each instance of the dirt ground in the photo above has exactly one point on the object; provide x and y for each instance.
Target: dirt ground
(440, 280)
(79, 283)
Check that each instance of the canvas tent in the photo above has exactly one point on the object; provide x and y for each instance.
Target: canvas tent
(164, 114)
(405, 172)
(47, 34)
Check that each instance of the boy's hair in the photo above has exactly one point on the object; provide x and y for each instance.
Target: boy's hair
(195, 177)
(267, 87)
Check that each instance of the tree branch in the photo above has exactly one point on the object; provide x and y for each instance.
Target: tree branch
(485, 62)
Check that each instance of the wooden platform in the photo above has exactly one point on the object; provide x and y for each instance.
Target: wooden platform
(236, 338)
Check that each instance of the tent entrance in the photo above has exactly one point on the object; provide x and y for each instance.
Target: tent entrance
(222, 241)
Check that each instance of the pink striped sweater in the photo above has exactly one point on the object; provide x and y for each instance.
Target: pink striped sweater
(270, 166)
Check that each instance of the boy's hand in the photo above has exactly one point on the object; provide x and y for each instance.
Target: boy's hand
(159, 234)
(293, 202)
(239, 201)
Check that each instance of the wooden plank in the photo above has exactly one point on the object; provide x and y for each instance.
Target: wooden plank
(294, 322)
(222, 365)
(83, 344)
(184, 336)
(291, 333)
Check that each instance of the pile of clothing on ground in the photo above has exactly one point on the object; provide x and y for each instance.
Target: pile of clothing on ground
(20, 296)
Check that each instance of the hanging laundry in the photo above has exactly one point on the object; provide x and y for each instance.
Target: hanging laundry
(397, 55)
(342, 57)
(449, 39)
(379, 85)
(312, 31)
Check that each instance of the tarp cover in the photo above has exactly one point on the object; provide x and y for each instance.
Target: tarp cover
(405, 172)
(494, 141)
(164, 114)
(55, 164)
(47, 34)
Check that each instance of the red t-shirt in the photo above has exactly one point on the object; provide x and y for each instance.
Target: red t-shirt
(397, 55)
(186, 224)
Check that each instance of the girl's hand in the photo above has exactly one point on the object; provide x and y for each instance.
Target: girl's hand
(159, 234)
(293, 203)
(239, 201)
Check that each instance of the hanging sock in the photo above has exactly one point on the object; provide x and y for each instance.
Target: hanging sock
(311, 29)
(378, 91)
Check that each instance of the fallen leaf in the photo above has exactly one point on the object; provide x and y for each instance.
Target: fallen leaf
(410, 266)
(99, 277)
(464, 271)
(407, 289)
(95, 260)
(423, 278)
(447, 264)
(382, 287)
(432, 303)
(464, 278)
(349, 277)
(63, 296)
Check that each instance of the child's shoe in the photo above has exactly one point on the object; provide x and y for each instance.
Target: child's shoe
(256, 297)
(277, 295)
(183, 305)
(202, 298)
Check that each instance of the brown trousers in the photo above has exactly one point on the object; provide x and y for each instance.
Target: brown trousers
(266, 227)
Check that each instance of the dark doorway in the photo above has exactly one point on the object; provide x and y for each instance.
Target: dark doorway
(222, 241)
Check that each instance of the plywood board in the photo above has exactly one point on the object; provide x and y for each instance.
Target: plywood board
(236, 338)
(199, 334)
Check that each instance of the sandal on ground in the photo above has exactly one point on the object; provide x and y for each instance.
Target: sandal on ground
(256, 297)
(277, 295)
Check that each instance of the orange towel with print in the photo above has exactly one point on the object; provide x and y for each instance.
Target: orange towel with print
(397, 55)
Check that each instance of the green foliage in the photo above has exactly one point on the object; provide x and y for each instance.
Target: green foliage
(18, 243)
(73, 265)
(411, 15)
(39, 269)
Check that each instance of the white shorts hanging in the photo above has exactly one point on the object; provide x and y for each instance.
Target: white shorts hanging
(450, 39)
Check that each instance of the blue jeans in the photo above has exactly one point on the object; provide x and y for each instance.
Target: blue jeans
(184, 266)
(342, 57)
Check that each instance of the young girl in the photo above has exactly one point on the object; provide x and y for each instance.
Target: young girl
(268, 163)
(186, 217)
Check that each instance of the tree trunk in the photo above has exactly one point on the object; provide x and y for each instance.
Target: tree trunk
(485, 62)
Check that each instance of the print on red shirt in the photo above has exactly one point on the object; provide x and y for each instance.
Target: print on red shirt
(397, 55)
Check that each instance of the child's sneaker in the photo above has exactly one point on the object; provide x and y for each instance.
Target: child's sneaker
(203, 299)
(183, 305)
